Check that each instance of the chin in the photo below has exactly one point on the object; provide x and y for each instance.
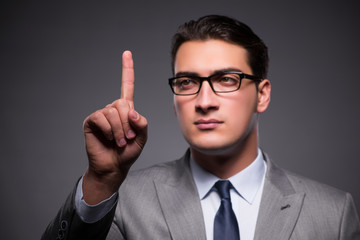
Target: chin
(210, 148)
(218, 144)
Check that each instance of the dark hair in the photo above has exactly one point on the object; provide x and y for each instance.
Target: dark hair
(229, 30)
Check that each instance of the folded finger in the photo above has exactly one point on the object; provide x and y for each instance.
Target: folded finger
(117, 130)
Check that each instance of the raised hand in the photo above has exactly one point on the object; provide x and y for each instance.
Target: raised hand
(114, 138)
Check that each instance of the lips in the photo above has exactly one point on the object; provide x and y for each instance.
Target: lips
(207, 124)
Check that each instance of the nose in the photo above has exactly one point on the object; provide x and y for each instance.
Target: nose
(206, 99)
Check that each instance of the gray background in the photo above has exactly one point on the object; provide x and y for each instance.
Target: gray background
(61, 61)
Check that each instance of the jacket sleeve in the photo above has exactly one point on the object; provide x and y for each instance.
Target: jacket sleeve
(350, 224)
(68, 225)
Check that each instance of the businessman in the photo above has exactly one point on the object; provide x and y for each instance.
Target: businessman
(224, 187)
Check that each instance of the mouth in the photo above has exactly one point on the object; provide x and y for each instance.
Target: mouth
(207, 124)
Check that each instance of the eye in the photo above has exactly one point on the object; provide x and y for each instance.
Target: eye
(228, 80)
(186, 83)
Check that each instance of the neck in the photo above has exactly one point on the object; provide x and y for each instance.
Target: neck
(228, 162)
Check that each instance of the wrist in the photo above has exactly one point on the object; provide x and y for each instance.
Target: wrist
(98, 187)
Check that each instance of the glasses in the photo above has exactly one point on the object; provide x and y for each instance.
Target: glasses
(222, 82)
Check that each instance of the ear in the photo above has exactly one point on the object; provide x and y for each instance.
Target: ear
(264, 92)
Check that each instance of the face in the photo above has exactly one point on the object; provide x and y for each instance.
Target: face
(216, 122)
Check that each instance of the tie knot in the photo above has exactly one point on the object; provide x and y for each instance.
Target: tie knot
(223, 188)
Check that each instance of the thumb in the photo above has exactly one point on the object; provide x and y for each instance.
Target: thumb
(139, 124)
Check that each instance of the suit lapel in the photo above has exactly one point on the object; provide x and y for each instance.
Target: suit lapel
(180, 203)
(279, 209)
(280, 206)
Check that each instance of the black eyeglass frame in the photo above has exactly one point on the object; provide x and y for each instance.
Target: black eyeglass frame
(242, 75)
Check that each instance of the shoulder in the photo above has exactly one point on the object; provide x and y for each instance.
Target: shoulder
(289, 182)
(307, 185)
(159, 172)
(322, 205)
(319, 198)
(168, 173)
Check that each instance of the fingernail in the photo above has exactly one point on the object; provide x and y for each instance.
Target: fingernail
(122, 142)
(131, 134)
(134, 115)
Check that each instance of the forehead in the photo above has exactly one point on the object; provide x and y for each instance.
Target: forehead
(206, 57)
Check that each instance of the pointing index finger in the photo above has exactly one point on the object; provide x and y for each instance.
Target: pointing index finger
(128, 78)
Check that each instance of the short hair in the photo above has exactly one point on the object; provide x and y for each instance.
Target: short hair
(229, 30)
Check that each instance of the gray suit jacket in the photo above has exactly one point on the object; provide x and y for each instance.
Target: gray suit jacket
(162, 202)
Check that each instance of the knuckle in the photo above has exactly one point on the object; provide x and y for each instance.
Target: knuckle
(121, 104)
(110, 111)
(116, 102)
(95, 117)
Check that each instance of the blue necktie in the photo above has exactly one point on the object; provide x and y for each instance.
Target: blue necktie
(225, 223)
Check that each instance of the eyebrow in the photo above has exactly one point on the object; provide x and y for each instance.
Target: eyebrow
(186, 73)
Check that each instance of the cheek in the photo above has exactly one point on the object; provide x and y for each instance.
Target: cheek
(240, 110)
(181, 110)
(178, 106)
(183, 105)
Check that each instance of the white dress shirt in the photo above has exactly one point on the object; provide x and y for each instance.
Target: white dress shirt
(92, 213)
(245, 197)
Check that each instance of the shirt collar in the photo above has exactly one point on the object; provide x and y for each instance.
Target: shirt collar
(246, 183)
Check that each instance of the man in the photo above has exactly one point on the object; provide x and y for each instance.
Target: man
(224, 187)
